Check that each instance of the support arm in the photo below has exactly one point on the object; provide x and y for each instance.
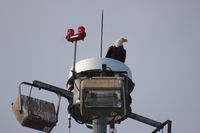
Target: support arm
(151, 122)
(145, 120)
(62, 92)
(57, 90)
(169, 128)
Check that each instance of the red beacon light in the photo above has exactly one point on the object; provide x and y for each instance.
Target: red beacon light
(81, 33)
(70, 33)
(81, 29)
(71, 36)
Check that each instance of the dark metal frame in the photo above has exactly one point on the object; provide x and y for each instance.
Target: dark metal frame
(153, 123)
(169, 126)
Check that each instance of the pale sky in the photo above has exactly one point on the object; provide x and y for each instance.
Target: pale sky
(163, 53)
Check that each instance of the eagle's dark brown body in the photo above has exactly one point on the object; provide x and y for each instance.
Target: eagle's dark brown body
(117, 53)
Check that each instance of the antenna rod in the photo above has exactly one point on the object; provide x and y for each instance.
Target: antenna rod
(101, 33)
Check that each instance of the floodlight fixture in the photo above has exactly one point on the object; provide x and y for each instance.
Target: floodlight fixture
(102, 96)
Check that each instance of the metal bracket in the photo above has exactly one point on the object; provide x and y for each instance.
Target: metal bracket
(169, 127)
(151, 122)
(62, 92)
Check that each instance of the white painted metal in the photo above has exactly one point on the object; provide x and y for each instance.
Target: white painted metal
(96, 63)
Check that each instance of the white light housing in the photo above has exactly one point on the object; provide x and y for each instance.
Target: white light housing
(102, 96)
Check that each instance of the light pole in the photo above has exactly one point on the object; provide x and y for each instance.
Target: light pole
(99, 125)
(99, 94)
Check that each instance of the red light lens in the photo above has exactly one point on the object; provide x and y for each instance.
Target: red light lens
(81, 29)
(70, 32)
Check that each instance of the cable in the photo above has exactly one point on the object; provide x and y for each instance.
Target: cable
(69, 124)
(76, 86)
(112, 128)
(30, 91)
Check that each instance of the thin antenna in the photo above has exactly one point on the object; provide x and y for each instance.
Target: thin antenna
(101, 33)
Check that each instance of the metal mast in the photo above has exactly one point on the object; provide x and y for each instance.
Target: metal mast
(101, 33)
(99, 125)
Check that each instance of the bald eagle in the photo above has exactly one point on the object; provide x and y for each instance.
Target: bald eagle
(117, 51)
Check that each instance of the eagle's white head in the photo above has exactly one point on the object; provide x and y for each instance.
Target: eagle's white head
(120, 41)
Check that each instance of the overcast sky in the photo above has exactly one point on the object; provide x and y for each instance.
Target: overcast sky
(163, 53)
